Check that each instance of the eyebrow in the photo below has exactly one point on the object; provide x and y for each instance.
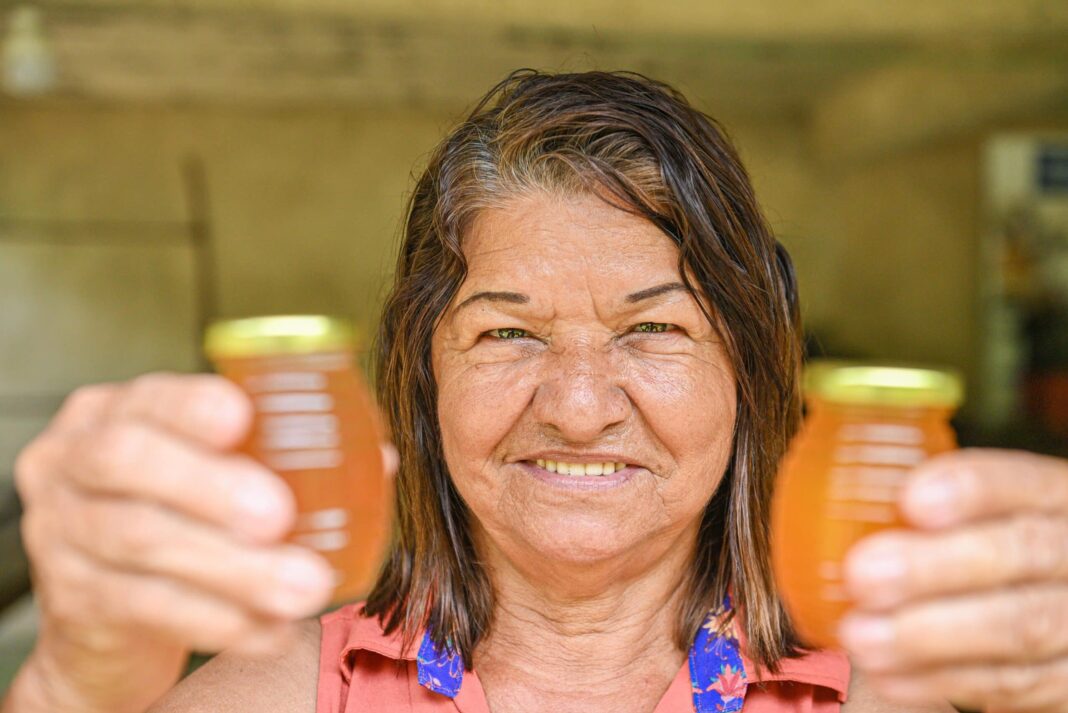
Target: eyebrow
(490, 296)
(651, 292)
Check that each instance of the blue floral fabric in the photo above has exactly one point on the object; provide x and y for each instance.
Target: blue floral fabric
(717, 674)
(442, 671)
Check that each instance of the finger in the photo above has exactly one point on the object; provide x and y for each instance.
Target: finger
(113, 599)
(1027, 624)
(129, 459)
(84, 406)
(1034, 687)
(34, 463)
(203, 408)
(891, 568)
(390, 459)
(33, 467)
(977, 484)
(284, 581)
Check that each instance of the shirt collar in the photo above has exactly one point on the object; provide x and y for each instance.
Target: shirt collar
(719, 671)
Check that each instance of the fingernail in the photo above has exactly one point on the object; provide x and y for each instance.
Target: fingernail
(304, 588)
(878, 565)
(869, 638)
(298, 574)
(258, 502)
(390, 459)
(935, 498)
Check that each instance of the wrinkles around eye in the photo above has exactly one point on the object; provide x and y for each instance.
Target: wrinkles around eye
(655, 336)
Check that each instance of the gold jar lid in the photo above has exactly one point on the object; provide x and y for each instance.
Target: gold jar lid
(281, 334)
(860, 383)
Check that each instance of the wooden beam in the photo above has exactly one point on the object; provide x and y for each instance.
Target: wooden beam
(752, 20)
(273, 58)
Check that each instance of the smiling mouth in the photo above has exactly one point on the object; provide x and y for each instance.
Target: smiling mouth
(580, 469)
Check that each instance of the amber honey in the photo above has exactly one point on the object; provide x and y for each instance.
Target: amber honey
(866, 428)
(315, 426)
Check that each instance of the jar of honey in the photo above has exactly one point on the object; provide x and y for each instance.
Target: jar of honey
(316, 426)
(865, 428)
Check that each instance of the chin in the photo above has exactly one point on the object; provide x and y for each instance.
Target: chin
(579, 542)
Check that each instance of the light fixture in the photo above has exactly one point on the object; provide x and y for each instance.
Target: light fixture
(29, 64)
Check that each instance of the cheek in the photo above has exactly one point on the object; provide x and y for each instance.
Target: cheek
(477, 407)
(690, 407)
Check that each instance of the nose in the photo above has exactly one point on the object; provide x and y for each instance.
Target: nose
(580, 395)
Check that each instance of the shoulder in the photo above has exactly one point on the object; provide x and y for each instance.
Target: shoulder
(864, 699)
(233, 683)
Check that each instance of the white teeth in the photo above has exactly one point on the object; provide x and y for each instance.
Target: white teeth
(580, 469)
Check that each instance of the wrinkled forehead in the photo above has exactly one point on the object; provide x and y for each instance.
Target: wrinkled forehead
(567, 241)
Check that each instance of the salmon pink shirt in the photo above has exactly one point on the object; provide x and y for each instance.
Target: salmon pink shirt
(363, 670)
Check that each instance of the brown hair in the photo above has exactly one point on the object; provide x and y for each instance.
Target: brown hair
(638, 143)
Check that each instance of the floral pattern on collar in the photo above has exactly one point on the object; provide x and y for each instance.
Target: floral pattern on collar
(717, 673)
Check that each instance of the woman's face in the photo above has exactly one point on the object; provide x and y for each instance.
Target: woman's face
(572, 341)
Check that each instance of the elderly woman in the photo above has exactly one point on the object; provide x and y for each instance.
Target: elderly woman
(589, 364)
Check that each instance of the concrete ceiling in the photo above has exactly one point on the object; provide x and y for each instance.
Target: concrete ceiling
(905, 70)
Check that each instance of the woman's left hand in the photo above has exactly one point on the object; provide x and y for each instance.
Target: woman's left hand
(972, 605)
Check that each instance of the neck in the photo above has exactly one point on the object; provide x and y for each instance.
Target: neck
(597, 631)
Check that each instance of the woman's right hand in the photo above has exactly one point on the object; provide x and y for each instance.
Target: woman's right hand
(150, 537)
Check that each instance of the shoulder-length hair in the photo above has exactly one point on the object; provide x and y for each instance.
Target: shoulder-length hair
(639, 144)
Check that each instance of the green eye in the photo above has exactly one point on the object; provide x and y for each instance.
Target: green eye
(507, 333)
(652, 327)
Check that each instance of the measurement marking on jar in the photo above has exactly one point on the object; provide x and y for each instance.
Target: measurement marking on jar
(304, 460)
(874, 455)
(292, 440)
(326, 541)
(295, 402)
(286, 381)
(329, 519)
(303, 421)
(881, 433)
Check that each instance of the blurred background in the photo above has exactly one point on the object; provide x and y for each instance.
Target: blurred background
(166, 163)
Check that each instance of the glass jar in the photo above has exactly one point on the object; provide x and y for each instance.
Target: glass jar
(316, 426)
(866, 428)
